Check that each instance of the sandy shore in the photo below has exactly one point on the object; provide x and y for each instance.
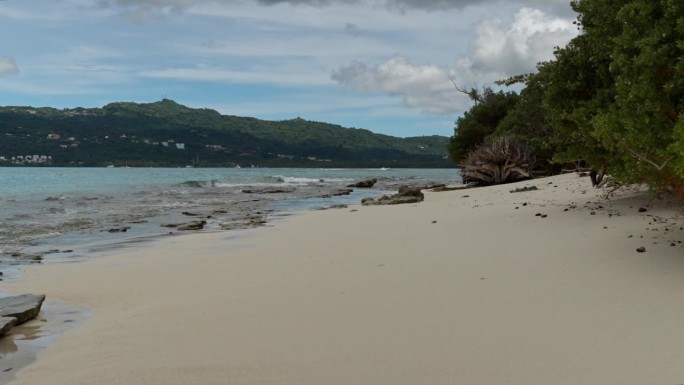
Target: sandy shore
(468, 287)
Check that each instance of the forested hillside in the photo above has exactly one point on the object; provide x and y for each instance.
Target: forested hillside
(166, 133)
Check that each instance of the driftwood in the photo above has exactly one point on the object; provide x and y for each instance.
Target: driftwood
(504, 160)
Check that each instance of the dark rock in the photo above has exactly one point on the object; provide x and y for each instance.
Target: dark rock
(641, 249)
(642, 209)
(406, 194)
(431, 186)
(170, 224)
(367, 201)
(269, 191)
(6, 323)
(194, 225)
(368, 183)
(340, 192)
(523, 189)
(452, 188)
(119, 229)
(189, 214)
(22, 307)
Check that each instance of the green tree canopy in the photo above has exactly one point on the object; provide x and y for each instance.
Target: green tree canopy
(480, 121)
(614, 94)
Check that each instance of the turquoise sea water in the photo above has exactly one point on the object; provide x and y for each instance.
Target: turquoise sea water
(60, 211)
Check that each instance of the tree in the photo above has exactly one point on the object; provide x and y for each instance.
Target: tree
(480, 121)
(528, 121)
(648, 67)
(614, 94)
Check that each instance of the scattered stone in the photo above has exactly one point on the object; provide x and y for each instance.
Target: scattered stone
(642, 209)
(465, 196)
(544, 215)
(194, 225)
(189, 214)
(119, 229)
(170, 224)
(593, 213)
(434, 221)
(22, 307)
(450, 188)
(368, 183)
(406, 194)
(673, 244)
(525, 204)
(641, 249)
(523, 189)
(340, 192)
(353, 210)
(340, 206)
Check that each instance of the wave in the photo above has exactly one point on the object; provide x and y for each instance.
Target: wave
(302, 180)
(200, 183)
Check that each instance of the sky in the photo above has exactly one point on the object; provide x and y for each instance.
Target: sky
(389, 66)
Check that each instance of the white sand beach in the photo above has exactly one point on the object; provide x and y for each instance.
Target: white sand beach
(467, 287)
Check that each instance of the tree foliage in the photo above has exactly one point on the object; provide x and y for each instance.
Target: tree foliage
(480, 121)
(612, 97)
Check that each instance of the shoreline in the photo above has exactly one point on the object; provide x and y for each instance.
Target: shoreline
(469, 286)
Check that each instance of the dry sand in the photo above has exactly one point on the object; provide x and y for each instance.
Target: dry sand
(460, 289)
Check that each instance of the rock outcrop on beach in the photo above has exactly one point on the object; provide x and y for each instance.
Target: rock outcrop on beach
(6, 324)
(18, 309)
(367, 183)
(194, 225)
(406, 194)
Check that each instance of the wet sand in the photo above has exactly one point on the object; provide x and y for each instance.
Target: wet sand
(478, 286)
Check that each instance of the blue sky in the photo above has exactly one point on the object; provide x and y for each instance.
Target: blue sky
(383, 65)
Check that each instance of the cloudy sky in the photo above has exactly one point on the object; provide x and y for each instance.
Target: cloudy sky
(384, 65)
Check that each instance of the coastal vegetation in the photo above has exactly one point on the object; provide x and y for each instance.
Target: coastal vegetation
(168, 134)
(610, 100)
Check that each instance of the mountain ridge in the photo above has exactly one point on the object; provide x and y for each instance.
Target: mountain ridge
(166, 133)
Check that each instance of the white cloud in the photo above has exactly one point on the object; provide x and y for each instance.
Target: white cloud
(496, 51)
(530, 39)
(8, 66)
(426, 87)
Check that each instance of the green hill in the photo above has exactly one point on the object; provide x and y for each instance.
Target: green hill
(166, 133)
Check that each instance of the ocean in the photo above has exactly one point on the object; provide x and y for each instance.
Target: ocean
(72, 213)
